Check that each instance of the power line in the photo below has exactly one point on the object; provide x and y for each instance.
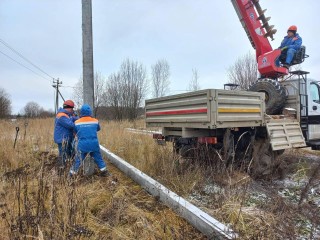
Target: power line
(55, 81)
(20, 55)
(24, 66)
(68, 87)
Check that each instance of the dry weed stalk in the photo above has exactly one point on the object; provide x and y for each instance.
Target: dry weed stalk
(49, 206)
(40, 203)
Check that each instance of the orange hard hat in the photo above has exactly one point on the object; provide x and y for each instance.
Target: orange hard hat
(293, 28)
(68, 104)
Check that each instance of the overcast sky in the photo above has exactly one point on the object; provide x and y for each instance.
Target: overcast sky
(201, 34)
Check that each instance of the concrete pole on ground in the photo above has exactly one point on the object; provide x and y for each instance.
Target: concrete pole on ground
(87, 53)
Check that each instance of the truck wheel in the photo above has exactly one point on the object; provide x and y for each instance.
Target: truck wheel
(186, 151)
(275, 94)
(264, 159)
(228, 147)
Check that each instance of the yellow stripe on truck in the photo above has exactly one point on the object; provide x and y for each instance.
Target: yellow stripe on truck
(239, 110)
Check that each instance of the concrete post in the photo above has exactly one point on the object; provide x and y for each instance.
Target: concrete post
(87, 53)
(56, 84)
(206, 224)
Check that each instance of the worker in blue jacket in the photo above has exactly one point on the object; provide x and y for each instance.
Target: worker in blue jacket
(64, 131)
(289, 45)
(86, 131)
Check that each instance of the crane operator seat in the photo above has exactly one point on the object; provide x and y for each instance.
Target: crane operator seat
(298, 57)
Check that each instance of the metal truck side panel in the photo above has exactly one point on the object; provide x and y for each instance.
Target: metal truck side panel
(239, 109)
(184, 108)
(208, 109)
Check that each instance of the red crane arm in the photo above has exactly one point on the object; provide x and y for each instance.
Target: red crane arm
(258, 29)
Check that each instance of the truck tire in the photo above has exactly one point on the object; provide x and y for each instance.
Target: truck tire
(275, 94)
(263, 159)
(186, 151)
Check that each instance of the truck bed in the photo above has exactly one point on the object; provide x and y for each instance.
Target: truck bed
(207, 109)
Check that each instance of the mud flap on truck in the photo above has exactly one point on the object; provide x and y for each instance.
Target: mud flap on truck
(285, 134)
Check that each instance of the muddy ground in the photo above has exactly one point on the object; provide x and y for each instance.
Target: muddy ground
(287, 206)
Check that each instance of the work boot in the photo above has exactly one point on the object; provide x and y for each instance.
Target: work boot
(105, 173)
(286, 66)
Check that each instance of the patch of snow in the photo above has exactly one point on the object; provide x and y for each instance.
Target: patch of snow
(212, 189)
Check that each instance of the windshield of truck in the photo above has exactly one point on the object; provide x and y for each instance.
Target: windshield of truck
(315, 93)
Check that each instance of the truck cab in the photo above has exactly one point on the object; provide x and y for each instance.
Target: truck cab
(313, 138)
(303, 95)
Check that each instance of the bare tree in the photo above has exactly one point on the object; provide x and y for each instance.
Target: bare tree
(5, 104)
(244, 71)
(194, 83)
(113, 96)
(134, 78)
(32, 110)
(46, 113)
(126, 90)
(160, 78)
(77, 95)
(99, 87)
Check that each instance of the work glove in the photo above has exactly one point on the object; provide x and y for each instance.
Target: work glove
(284, 48)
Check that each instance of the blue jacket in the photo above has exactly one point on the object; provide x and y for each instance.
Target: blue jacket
(293, 42)
(86, 129)
(63, 126)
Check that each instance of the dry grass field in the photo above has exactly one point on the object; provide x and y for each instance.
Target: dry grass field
(39, 202)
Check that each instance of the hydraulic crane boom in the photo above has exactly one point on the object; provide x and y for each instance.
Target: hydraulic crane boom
(258, 29)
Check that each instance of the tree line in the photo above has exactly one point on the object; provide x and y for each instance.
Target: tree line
(121, 95)
(30, 110)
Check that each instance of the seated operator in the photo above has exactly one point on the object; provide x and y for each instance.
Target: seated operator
(289, 45)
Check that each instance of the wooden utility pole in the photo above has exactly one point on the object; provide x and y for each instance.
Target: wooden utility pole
(87, 53)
